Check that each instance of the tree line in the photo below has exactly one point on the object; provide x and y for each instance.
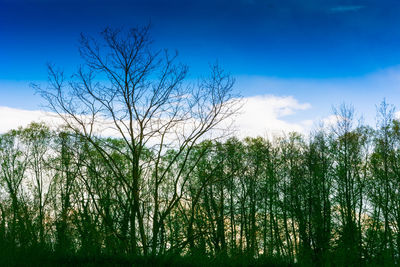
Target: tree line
(331, 196)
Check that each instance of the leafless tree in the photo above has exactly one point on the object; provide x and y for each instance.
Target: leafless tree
(127, 90)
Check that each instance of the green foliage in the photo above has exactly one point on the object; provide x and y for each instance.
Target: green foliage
(329, 199)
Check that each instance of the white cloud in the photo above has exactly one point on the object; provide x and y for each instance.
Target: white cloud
(397, 115)
(261, 115)
(364, 92)
(264, 115)
(275, 114)
(330, 121)
(12, 118)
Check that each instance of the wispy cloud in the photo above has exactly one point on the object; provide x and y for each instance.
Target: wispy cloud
(12, 118)
(290, 105)
(364, 92)
(265, 115)
(261, 115)
(347, 8)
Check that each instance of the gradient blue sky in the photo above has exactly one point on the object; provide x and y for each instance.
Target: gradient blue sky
(320, 52)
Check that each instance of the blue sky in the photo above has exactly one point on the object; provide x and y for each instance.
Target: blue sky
(319, 53)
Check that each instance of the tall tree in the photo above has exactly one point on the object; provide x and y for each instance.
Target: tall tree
(141, 97)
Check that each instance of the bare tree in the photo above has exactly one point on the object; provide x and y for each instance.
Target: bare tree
(140, 96)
